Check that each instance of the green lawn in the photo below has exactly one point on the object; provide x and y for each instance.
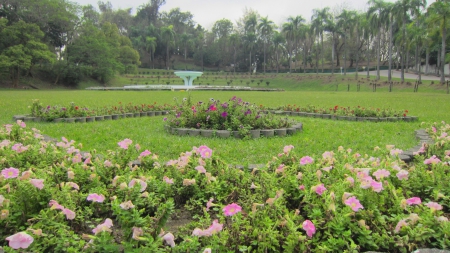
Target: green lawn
(319, 135)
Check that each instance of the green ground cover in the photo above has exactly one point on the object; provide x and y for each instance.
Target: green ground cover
(319, 135)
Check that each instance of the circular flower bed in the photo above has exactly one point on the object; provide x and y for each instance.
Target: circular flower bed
(232, 115)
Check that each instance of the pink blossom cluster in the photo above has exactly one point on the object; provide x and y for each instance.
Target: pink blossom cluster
(103, 227)
(214, 228)
(125, 143)
(70, 215)
(231, 209)
(94, 197)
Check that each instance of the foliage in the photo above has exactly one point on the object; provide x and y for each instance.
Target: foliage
(357, 111)
(233, 115)
(338, 201)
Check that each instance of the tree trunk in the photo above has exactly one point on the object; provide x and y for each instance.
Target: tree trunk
(357, 54)
(167, 56)
(332, 53)
(264, 57)
(407, 61)
(390, 55)
(345, 54)
(321, 41)
(317, 59)
(427, 58)
(378, 54)
(444, 33)
(368, 58)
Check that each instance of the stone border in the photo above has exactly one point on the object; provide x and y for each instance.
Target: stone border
(255, 133)
(347, 118)
(27, 118)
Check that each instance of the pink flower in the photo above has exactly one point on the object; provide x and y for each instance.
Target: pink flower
(20, 240)
(306, 160)
(126, 205)
(319, 189)
(145, 153)
(204, 151)
(350, 180)
(353, 202)
(105, 226)
(137, 232)
(19, 148)
(288, 149)
(301, 187)
(402, 175)
(280, 169)
(55, 205)
(377, 186)
(107, 164)
(70, 215)
(413, 201)
(10, 173)
(73, 185)
(4, 143)
(94, 197)
(381, 174)
(434, 206)
(214, 228)
(38, 183)
(125, 143)
(327, 155)
(200, 169)
(309, 227)
(434, 129)
(231, 209)
(141, 182)
(327, 169)
(21, 123)
(400, 224)
(209, 204)
(169, 239)
(77, 158)
(168, 180)
(207, 250)
(432, 160)
(396, 152)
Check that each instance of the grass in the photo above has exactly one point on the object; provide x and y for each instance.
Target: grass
(319, 135)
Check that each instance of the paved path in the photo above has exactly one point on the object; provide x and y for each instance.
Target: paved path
(397, 74)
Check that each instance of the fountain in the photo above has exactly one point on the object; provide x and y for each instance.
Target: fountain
(188, 76)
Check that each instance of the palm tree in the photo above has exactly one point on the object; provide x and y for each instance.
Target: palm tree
(250, 41)
(318, 22)
(168, 36)
(296, 22)
(150, 46)
(289, 35)
(438, 13)
(278, 41)
(305, 35)
(186, 42)
(375, 14)
(265, 28)
(331, 27)
(346, 21)
(234, 41)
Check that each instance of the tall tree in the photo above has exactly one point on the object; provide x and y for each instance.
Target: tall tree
(438, 15)
(375, 15)
(168, 36)
(346, 22)
(265, 28)
(278, 41)
(318, 23)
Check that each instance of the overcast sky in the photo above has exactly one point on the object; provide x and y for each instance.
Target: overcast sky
(206, 12)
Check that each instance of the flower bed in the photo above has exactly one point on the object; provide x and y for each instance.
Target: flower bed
(356, 113)
(54, 198)
(232, 115)
(58, 113)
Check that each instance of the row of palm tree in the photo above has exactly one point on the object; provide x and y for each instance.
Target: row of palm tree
(395, 33)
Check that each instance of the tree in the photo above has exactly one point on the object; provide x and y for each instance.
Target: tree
(376, 17)
(21, 48)
(346, 22)
(234, 42)
(168, 36)
(278, 41)
(318, 24)
(265, 28)
(438, 13)
(186, 42)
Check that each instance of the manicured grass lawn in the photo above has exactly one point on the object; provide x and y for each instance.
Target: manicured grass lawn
(318, 136)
